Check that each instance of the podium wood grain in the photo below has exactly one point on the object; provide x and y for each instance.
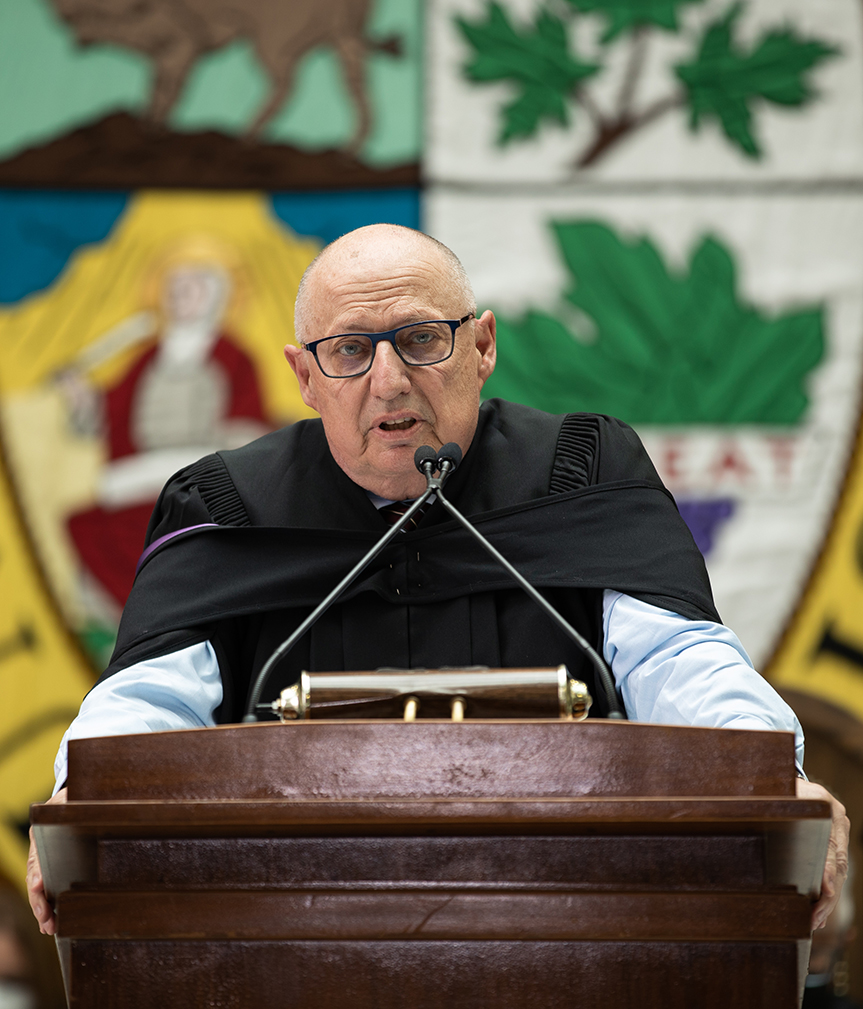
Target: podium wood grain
(434, 864)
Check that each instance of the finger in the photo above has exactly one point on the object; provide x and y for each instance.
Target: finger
(826, 902)
(835, 865)
(836, 862)
(39, 903)
(34, 870)
(42, 910)
(43, 914)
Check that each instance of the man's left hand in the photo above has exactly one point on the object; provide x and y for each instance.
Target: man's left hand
(42, 909)
(836, 866)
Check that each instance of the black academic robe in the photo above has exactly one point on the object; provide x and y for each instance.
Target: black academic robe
(573, 501)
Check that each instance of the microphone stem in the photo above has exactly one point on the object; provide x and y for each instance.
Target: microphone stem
(324, 605)
(605, 677)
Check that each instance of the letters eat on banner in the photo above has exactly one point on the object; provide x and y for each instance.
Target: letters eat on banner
(661, 201)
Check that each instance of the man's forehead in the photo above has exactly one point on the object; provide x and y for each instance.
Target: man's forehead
(379, 261)
(345, 297)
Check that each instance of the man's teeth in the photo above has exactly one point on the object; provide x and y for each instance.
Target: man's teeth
(398, 425)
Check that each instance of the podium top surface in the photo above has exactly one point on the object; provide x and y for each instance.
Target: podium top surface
(471, 760)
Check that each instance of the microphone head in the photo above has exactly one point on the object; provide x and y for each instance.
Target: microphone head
(423, 455)
(450, 453)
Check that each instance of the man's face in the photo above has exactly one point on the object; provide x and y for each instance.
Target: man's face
(374, 423)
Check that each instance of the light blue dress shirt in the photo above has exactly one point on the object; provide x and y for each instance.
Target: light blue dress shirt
(668, 669)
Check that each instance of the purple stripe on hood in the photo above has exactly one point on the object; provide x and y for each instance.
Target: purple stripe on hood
(169, 536)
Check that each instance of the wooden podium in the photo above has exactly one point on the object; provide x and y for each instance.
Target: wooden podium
(541, 864)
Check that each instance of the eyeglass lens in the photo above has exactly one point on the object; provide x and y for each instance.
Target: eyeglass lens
(351, 354)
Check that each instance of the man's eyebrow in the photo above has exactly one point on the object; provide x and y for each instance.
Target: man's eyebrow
(409, 320)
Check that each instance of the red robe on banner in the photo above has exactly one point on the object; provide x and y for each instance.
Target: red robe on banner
(108, 539)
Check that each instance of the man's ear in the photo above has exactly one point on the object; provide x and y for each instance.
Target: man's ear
(486, 344)
(298, 359)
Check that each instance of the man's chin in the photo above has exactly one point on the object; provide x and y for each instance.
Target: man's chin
(396, 482)
(389, 471)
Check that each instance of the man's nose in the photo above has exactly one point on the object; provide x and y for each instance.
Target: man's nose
(390, 376)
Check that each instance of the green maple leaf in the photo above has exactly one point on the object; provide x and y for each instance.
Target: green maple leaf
(724, 78)
(537, 60)
(669, 348)
(630, 15)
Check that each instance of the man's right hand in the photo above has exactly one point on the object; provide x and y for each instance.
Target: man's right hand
(42, 909)
(836, 864)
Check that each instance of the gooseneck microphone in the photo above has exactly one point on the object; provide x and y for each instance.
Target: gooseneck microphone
(429, 463)
(445, 461)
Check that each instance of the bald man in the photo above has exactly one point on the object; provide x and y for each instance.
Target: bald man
(392, 356)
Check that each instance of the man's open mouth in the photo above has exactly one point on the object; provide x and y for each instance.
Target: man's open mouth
(398, 425)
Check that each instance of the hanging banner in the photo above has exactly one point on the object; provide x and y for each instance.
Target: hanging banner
(655, 200)
(661, 202)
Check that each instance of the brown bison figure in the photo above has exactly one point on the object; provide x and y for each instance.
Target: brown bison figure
(175, 33)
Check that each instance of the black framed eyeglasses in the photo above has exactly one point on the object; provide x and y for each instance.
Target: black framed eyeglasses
(419, 344)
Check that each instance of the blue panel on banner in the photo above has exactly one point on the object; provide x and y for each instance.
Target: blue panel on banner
(328, 214)
(39, 231)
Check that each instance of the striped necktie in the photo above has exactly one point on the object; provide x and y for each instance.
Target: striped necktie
(395, 511)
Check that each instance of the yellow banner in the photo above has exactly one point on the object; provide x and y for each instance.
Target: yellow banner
(113, 301)
(43, 676)
(821, 653)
